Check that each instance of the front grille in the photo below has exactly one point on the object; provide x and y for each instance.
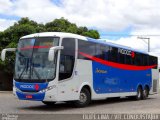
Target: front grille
(30, 91)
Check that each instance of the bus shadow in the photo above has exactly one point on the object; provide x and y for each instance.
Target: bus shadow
(52, 108)
(114, 100)
(69, 106)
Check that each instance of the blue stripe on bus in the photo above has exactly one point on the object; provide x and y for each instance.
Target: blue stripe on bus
(107, 79)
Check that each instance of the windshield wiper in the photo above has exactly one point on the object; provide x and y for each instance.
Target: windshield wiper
(25, 68)
(22, 72)
(37, 74)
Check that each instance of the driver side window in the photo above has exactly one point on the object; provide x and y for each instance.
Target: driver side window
(67, 58)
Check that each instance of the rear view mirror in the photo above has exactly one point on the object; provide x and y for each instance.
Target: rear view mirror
(52, 51)
(3, 53)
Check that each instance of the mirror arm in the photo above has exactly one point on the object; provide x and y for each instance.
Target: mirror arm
(57, 48)
(3, 54)
(52, 50)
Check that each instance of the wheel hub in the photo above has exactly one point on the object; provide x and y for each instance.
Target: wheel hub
(83, 97)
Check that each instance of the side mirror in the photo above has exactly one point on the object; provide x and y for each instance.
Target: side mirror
(52, 50)
(3, 53)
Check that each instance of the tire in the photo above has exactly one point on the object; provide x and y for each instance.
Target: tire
(48, 103)
(145, 93)
(139, 95)
(85, 98)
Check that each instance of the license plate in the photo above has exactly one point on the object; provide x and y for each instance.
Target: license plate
(29, 96)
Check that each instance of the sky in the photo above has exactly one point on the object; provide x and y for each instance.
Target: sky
(118, 21)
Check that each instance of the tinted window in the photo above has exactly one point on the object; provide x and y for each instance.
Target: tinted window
(145, 61)
(87, 48)
(67, 58)
(121, 57)
(153, 61)
(128, 59)
(137, 59)
(113, 54)
(102, 51)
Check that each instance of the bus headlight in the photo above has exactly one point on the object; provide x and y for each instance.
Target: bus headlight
(17, 90)
(47, 89)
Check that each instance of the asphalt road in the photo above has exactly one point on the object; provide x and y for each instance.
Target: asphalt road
(10, 105)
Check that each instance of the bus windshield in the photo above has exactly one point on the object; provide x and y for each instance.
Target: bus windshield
(32, 59)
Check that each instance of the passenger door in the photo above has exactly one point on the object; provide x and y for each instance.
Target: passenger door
(66, 81)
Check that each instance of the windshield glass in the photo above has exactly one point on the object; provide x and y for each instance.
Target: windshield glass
(32, 59)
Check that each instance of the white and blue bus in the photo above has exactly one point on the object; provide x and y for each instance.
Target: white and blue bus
(55, 66)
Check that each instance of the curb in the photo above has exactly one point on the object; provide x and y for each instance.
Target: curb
(6, 91)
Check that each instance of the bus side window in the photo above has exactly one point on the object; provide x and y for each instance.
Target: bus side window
(128, 60)
(153, 61)
(102, 51)
(67, 58)
(87, 48)
(145, 60)
(121, 57)
(113, 54)
(138, 59)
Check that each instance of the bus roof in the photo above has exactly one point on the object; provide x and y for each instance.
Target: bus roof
(63, 34)
(57, 34)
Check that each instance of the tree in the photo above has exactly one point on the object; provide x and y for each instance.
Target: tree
(63, 25)
(91, 33)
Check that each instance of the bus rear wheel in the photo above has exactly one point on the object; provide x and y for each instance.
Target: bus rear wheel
(145, 93)
(139, 95)
(84, 98)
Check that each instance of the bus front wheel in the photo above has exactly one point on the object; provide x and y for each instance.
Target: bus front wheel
(84, 98)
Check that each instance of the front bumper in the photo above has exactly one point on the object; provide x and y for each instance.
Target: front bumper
(30, 96)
